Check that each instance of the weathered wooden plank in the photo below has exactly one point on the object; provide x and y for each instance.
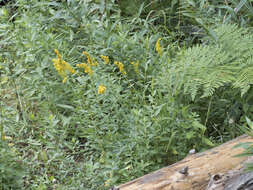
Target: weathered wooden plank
(192, 173)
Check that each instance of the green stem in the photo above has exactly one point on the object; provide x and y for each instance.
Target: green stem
(208, 111)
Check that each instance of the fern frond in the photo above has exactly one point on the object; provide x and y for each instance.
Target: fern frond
(203, 69)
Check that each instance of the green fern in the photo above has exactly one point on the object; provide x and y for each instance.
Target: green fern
(202, 69)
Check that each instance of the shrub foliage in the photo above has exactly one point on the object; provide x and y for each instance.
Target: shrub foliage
(96, 93)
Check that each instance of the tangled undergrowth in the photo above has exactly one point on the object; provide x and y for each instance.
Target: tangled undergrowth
(93, 94)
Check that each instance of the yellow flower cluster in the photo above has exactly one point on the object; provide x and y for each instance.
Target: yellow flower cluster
(62, 67)
(158, 47)
(87, 68)
(101, 89)
(91, 62)
(105, 58)
(120, 66)
(90, 59)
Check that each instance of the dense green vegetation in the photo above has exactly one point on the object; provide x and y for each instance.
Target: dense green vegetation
(96, 93)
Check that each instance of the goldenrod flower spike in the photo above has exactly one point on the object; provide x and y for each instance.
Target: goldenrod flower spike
(86, 53)
(88, 57)
(158, 47)
(105, 58)
(120, 65)
(56, 51)
(62, 66)
(94, 63)
(87, 68)
(101, 89)
(90, 60)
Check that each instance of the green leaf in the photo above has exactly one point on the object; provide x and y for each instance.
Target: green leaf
(208, 142)
(65, 106)
(249, 122)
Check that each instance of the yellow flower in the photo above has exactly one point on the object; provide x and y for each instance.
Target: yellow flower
(136, 66)
(88, 56)
(120, 65)
(61, 66)
(101, 89)
(158, 47)
(64, 80)
(87, 68)
(68, 67)
(90, 59)
(94, 63)
(105, 58)
(57, 53)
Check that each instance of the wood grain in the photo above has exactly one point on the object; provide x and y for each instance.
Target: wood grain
(200, 167)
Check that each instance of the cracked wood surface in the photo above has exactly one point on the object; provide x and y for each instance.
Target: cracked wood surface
(199, 167)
